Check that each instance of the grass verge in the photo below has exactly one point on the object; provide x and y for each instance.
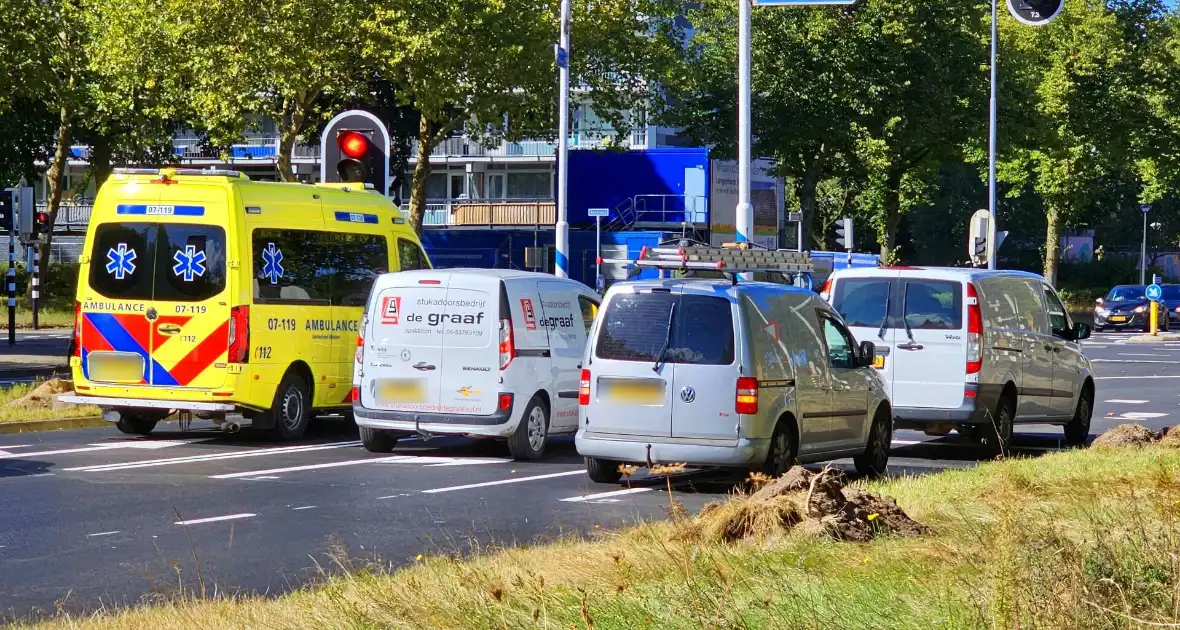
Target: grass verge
(1085, 539)
(46, 317)
(37, 412)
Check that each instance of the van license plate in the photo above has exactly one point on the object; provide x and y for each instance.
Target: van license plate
(636, 393)
(401, 391)
(1118, 318)
(879, 362)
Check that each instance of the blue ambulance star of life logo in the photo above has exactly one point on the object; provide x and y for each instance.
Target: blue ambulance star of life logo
(272, 257)
(190, 263)
(120, 261)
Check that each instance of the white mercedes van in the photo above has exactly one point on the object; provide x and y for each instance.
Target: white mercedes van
(746, 375)
(479, 352)
(970, 349)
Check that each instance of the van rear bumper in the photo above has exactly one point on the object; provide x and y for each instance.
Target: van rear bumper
(964, 414)
(496, 425)
(142, 403)
(741, 453)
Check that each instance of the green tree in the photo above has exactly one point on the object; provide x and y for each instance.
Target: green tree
(487, 66)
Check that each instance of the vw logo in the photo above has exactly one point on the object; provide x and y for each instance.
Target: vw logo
(688, 394)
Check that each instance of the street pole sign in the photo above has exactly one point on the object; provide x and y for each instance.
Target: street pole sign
(1035, 12)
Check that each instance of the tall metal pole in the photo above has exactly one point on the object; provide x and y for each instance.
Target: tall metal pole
(744, 214)
(991, 146)
(1143, 253)
(561, 269)
(12, 275)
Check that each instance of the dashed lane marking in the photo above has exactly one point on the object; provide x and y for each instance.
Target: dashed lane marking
(304, 507)
(428, 460)
(213, 457)
(1148, 376)
(1136, 354)
(504, 481)
(1120, 401)
(103, 534)
(215, 519)
(146, 445)
(592, 498)
(1173, 362)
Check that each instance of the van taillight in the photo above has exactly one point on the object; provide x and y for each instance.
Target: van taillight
(826, 292)
(77, 329)
(507, 343)
(239, 334)
(360, 349)
(974, 331)
(355, 395)
(584, 388)
(746, 400)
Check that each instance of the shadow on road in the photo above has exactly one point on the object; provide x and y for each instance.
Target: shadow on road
(23, 468)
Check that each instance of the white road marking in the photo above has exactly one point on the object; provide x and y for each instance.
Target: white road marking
(1120, 401)
(214, 519)
(504, 481)
(394, 496)
(1108, 378)
(304, 507)
(906, 442)
(275, 471)
(1173, 362)
(604, 495)
(1139, 415)
(1135, 354)
(214, 457)
(152, 445)
(103, 534)
(470, 462)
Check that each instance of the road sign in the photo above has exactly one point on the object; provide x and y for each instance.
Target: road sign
(1154, 292)
(1145, 208)
(598, 212)
(1035, 12)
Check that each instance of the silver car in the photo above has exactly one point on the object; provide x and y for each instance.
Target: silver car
(714, 373)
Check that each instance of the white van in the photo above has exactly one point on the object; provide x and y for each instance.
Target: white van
(970, 349)
(711, 373)
(479, 352)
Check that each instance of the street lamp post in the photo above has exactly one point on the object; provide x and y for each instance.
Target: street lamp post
(991, 140)
(562, 237)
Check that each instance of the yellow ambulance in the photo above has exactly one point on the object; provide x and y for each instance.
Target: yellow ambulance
(204, 292)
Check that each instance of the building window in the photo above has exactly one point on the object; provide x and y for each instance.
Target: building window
(530, 185)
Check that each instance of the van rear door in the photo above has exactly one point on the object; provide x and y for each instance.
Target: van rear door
(630, 391)
(862, 302)
(930, 360)
(156, 311)
(470, 344)
(403, 350)
(704, 380)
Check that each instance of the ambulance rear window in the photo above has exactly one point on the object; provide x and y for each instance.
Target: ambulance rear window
(155, 261)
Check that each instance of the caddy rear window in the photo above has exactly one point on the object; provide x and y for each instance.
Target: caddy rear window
(172, 262)
(635, 328)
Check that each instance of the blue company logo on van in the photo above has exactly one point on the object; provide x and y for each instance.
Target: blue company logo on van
(356, 217)
(160, 210)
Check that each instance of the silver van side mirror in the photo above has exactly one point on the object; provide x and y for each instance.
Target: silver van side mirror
(868, 351)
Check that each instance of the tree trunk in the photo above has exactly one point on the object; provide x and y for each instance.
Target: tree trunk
(100, 160)
(892, 217)
(805, 190)
(289, 129)
(56, 177)
(1052, 242)
(421, 175)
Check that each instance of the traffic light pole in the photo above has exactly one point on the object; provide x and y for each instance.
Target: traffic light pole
(36, 281)
(562, 237)
(12, 283)
(991, 141)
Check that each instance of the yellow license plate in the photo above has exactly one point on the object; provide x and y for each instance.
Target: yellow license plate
(1117, 318)
(401, 391)
(115, 367)
(636, 393)
(879, 362)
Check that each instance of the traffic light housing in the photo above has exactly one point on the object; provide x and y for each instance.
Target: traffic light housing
(844, 233)
(41, 225)
(355, 148)
(981, 247)
(6, 211)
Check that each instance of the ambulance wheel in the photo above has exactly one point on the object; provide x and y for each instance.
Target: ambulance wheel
(528, 442)
(136, 423)
(291, 409)
(377, 440)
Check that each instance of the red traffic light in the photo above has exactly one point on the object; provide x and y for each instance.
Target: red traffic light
(42, 217)
(353, 144)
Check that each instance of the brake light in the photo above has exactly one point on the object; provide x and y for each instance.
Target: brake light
(746, 400)
(505, 402)
(239, 334)
(826, 292)
(974, 331)
(360, 349)
(77, 329)
(355, 394)
(507, 343)
(584, 388)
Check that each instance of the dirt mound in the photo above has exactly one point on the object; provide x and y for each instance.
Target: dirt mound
(1170, 438)
(42, 395)
(1127, 435)
(807, 501)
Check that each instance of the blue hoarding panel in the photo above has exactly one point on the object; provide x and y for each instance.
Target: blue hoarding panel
(665, 186)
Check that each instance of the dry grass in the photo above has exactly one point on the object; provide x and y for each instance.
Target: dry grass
(1085, 539)
(24, 413)
(46, 317)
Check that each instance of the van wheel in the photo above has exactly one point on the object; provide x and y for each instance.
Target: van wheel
(377, 440)
(875, 459)
(528, 442)
(781, 454)
(291, 408)
(1078, 428)
(997, 437)
(136, 423)
(603, 470)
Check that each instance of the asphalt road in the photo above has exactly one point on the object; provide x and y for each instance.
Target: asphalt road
(90, 517)
(36, 354)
